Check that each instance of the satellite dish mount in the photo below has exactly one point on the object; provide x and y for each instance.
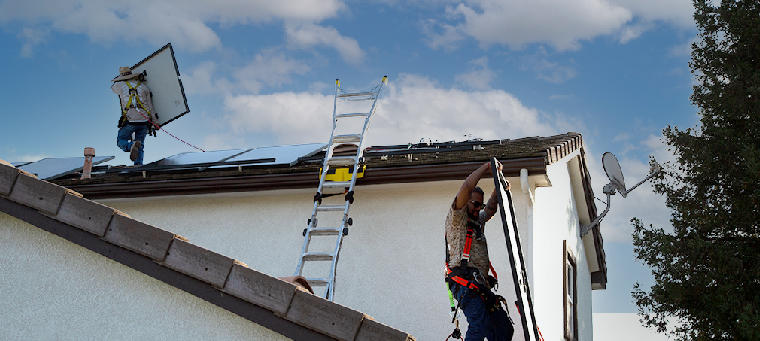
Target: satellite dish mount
(617, 184)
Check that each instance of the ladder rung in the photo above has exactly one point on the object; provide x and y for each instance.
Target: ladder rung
(318, 282)
(340, 207)
(320, 256)
(354, 94)
(334, 184)
(324, 231)
(356, 114)
(348, 138)
(341, 161)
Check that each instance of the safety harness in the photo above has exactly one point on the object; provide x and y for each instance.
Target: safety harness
(132, 95)
(464, 275)
(470, 277)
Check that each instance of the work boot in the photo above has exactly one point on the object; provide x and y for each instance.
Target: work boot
(134, 151)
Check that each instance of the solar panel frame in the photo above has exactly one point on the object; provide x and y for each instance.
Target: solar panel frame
(284, 155)
(53, 168)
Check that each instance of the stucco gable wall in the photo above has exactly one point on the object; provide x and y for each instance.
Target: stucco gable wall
(556, 220)
(54, 289)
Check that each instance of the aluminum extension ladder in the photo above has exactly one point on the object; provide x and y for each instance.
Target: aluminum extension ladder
(330, 239)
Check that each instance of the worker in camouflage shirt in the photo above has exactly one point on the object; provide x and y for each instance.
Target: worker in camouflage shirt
(468, 268)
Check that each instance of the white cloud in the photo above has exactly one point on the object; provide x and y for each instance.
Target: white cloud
(552, 72)
(410, 108)
(267, 69)
(183, 22)
(31, 38)
(631, 32)
(479, 75)
(561, 24)
(678, 12)
(446, 40)
(415, 107)
(272, 68)
(292, 117)
(202, 80)
(307, 35)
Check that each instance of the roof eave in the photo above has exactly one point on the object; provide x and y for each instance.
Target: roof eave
(308, 178)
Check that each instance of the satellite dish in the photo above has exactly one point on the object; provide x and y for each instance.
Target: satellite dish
(617, 183)
(614, 173)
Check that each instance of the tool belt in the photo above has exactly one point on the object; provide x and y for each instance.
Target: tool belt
(473, 280)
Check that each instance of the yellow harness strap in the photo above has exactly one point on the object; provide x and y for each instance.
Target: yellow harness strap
(133, 93)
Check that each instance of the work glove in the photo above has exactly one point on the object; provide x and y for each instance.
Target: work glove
(492, 282)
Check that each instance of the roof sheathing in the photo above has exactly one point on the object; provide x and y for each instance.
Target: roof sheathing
(262, 299)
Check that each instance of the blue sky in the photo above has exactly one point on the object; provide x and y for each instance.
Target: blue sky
(261, 73)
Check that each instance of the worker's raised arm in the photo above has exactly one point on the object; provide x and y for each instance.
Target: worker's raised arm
(493, 201)
(472, 180)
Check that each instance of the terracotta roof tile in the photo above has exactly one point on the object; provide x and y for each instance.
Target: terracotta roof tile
(57, 210)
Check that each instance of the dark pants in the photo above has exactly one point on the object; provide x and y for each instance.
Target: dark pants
(125, 142)
(494, 326)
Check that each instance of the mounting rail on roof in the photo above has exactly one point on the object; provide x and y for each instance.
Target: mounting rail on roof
(193, 166)
(414, 148)
(426, 147)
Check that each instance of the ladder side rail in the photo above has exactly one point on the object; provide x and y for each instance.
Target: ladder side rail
(301, 260)
(329, 152)
(334, 266)
(360, 146)
(335, 106)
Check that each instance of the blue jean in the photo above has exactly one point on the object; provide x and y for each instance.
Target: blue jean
(125, 142)
(480, 323)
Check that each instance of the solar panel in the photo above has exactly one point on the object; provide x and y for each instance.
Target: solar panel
(189, 158)
(283, 155)
(162, 77)
(52, 168)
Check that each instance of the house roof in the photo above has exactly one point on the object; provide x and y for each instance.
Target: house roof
(223, 281)
(384, 164)
(420, 162)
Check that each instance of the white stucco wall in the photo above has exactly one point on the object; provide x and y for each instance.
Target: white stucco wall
(392, 262)
(556, 220)
(52, 289)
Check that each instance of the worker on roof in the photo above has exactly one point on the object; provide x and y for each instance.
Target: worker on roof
(137, 117)
(468, 264)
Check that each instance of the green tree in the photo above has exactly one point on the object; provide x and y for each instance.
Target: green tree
(707, 269)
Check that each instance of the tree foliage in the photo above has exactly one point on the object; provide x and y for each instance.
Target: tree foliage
(707, 269)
